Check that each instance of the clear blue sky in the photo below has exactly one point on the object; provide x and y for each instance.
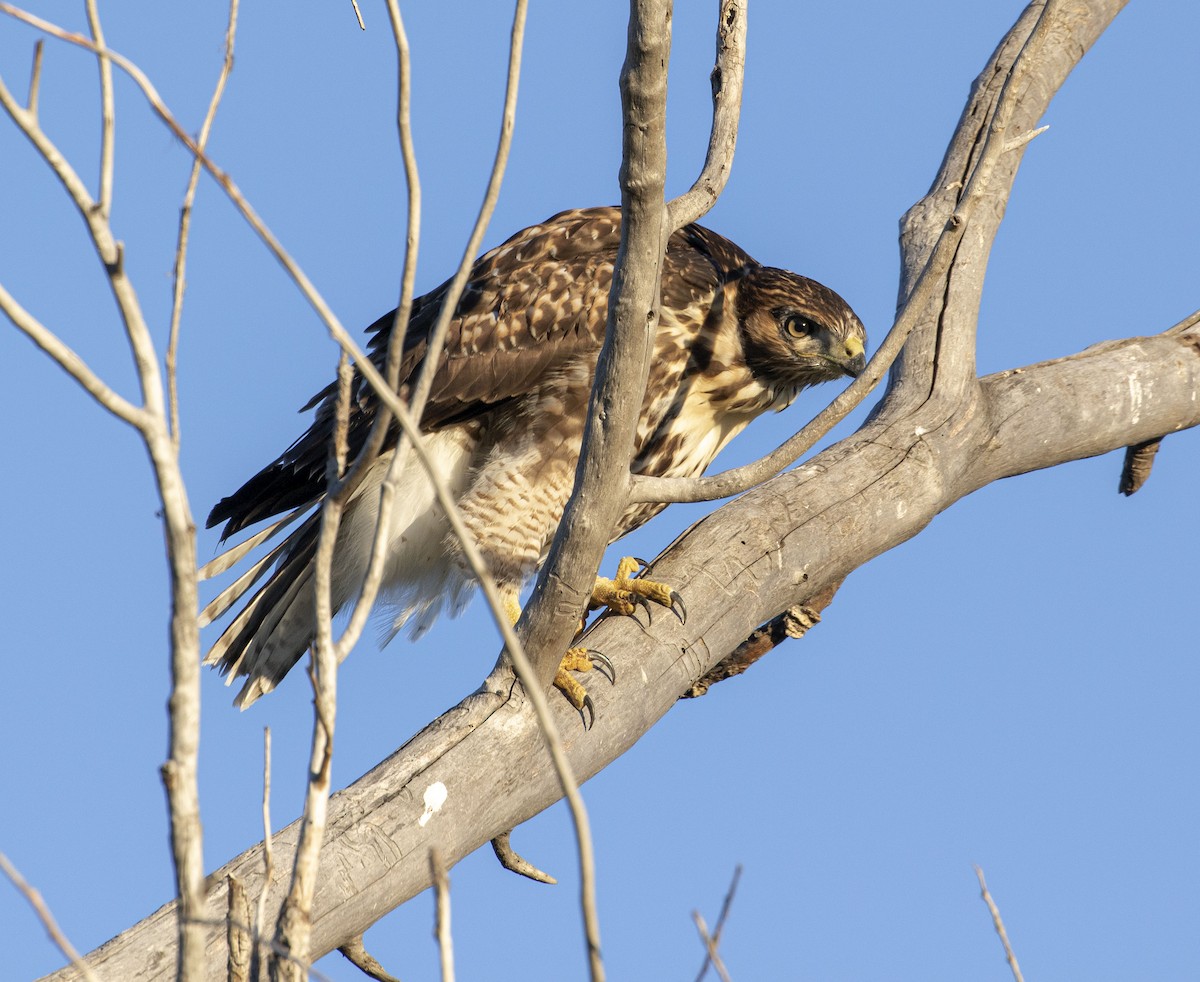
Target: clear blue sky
(1016, 687)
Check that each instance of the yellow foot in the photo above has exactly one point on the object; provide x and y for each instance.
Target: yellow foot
(623, 594)
(582, 660)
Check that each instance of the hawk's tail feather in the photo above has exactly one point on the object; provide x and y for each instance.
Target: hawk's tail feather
(270, 634)
(241, 586)
(223, 561)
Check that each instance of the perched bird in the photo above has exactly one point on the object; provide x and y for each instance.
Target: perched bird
(505, 421)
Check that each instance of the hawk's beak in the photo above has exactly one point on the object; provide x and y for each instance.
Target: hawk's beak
(856, 358)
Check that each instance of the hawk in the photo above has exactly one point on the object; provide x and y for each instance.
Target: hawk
(505, 419)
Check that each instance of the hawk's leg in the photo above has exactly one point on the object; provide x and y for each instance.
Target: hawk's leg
(623, 594)
(582, 660)
(575, 660)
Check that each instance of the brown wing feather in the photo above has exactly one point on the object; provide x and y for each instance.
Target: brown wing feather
(530, 306)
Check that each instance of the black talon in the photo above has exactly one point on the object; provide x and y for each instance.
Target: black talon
(681, 613)
(644, 603)
(641, 562)
(591, 708)
(603, 664)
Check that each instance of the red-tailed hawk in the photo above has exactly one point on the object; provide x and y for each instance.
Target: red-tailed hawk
(505, 421)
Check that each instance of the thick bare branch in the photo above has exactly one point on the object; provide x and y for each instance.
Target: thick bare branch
(778, 545)
(601, 482)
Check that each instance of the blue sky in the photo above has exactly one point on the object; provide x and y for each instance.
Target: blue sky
(1015, 687)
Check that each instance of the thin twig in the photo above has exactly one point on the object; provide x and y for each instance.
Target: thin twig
(107, 112)
(1017, 142)
(726, 904)
(179, 772)
(727, 76)
(66, 358)
(373, 577)
(293, 931)
(260, 913)
(999, 925)
(358, 14)
(441, 886)
(34, 898)
(420, 391)
(710, 946)
(185, 223)
(513, 861)
(355, 952)
(35, 78)
(602, 485)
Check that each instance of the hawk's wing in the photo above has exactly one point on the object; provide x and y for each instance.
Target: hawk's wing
(530, 306)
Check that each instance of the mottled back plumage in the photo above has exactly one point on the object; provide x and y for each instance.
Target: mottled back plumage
(506, 413)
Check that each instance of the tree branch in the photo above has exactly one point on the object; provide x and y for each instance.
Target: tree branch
(780, 544)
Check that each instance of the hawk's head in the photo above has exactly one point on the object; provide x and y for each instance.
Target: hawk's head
(796, 332)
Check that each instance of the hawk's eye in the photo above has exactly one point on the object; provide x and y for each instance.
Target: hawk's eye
(798, 326)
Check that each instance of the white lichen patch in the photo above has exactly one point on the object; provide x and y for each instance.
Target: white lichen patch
(435, 797)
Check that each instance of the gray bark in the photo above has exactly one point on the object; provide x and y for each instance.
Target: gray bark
(938, 434)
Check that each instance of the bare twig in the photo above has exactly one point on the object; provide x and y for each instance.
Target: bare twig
(1019, 141)
(64, 356)
(726, 904)
(34, 898)
(358, 14)
(420, 391)
(1186, 324)
(260, 910)
(726, 78)
(355, 952)
(999, 925)
(35, 78)
(107, 114)
(511, 860)
(293, 931)
(179, 772)
(710, 946)
(441, 886)
(185, 221)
